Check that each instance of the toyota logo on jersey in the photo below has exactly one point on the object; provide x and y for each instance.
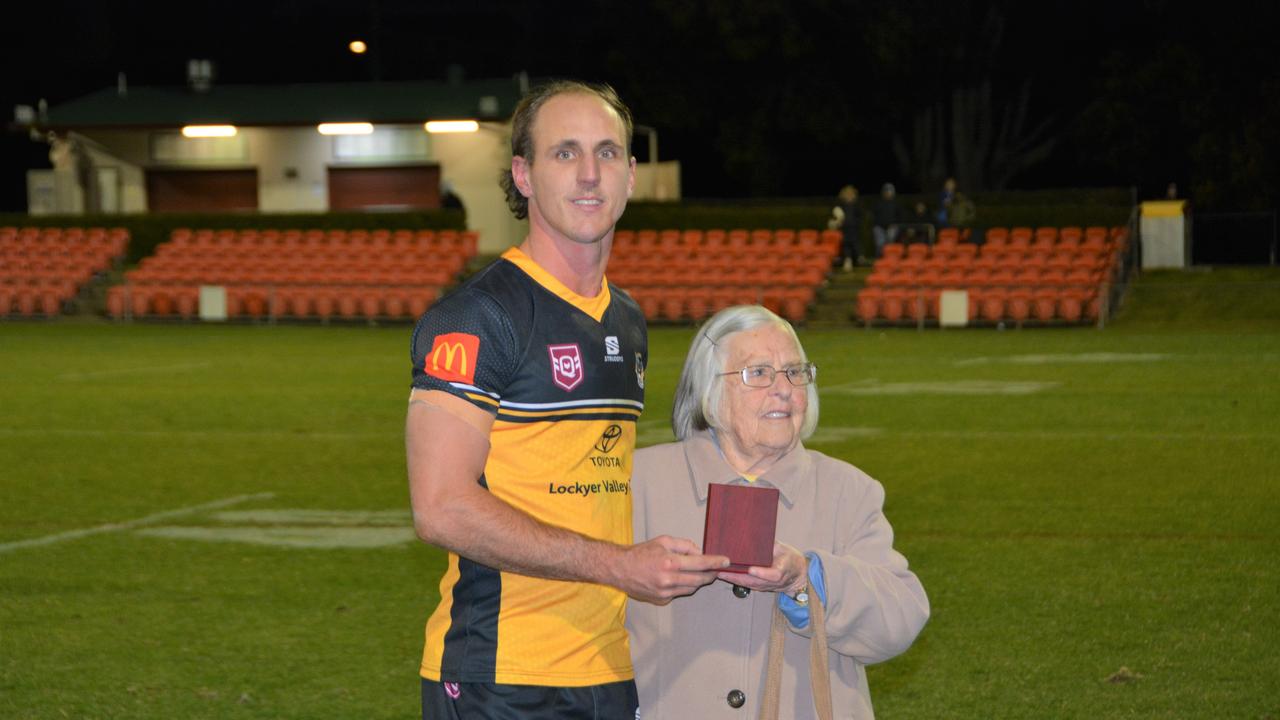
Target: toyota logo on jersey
(566, 365)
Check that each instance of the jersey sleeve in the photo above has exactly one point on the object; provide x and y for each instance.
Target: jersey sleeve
(465, 345)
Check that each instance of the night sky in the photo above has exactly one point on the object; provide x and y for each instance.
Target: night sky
(775, 98)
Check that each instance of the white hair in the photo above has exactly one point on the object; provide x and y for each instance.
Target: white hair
(697, 402)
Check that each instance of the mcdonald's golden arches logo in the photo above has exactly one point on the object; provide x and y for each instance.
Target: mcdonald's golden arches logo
(453, 358)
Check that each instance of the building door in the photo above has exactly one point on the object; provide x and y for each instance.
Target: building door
(202, 190)
(384, 188)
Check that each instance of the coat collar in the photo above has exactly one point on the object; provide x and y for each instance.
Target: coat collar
(707, 465)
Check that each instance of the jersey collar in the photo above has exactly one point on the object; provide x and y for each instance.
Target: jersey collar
(592, 306)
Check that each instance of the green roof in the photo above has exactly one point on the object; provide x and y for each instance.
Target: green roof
(285, 105)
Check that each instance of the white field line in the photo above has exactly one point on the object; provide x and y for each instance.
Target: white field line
(308, 537)
(1065, 358)
(133, 371)
(383, 518)
(204, 433)
(130, 524)
(948, 387)
(1123, 435)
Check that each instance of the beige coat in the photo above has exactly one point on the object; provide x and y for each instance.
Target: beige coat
(690, 654)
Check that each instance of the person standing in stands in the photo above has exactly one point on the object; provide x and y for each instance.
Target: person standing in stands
(945, 200)
(919, 226)
(885, 218)
(527, 383)
(846, 217)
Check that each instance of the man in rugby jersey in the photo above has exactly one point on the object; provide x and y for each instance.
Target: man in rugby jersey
(527, 383)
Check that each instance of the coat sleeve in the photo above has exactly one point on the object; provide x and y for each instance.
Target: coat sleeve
(875, 605)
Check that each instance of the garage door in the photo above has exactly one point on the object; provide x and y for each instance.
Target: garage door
(202, 190)
(384, 188)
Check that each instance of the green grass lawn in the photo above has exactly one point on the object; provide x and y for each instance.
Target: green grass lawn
(212, 522)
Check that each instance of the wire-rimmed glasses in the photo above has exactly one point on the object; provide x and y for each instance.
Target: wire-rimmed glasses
(762, 376)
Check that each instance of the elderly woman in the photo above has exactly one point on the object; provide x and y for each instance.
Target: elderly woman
(746, 399)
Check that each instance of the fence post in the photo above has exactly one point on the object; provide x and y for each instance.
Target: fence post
(920, 309)
(1273, 237)
(1104, 303)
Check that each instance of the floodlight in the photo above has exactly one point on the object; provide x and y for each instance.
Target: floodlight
(209, 131)
(345, 128)
(452, 126)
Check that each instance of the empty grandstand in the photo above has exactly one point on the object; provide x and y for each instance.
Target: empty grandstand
(43, 270)
(297, 274)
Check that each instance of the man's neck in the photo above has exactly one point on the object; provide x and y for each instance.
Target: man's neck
(579, 266)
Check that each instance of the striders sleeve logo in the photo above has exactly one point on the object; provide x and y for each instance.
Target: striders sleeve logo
(453, 358)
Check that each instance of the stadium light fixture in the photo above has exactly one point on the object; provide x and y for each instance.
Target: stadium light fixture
(345, 128)
(209, 131)
(452, 126)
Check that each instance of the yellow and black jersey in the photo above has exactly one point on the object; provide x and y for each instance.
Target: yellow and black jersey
(564, 376)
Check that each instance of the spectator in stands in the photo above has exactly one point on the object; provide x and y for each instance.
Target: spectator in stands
(945, 199)
(963, 211)
(745, 400)
(955, 209)
(846, 217)
(499, 463)
(885, 218)
(918, 226)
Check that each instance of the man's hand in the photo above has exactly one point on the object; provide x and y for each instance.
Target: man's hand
(789, 572)
(664, 568)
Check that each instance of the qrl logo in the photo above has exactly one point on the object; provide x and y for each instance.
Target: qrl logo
(453, 357)
(566, 365)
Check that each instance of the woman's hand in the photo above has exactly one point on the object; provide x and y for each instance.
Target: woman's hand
(788, 574)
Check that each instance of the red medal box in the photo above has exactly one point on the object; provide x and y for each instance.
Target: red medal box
(741, 523)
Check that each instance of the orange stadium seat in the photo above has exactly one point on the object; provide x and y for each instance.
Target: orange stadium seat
(893, 303)
(991, 303)
(698, 303)
(795, 303)
(868, 303)
(1044, 303)
(1018, 305)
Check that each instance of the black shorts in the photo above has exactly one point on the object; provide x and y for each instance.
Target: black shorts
(488, 701)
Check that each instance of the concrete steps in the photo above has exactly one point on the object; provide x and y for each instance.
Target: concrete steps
(836, 301)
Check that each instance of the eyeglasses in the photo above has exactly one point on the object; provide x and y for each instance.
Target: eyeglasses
(762, 376)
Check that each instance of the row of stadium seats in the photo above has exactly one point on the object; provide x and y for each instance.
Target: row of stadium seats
(698, 303)
(996, 304)
(69, 235)
(270, 301)
(296, 273)
(716, 240)
(448, 241)
(1049, 236)
(696, 270)
(43, 269)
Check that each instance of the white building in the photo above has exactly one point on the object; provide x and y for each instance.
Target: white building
(292, 148)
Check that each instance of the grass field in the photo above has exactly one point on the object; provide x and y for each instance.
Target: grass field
(211, 522)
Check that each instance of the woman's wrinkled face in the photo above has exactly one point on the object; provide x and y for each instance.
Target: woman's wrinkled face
(761, 421)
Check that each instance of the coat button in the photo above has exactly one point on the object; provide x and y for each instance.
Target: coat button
(736, 699)
(740, 591)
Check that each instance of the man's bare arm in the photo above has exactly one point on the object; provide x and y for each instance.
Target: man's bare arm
(447, 443)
